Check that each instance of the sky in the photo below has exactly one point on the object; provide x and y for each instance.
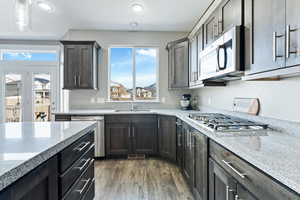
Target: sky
(122, 64)
(30, 56)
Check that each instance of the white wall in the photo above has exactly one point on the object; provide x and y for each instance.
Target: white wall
(279, 99)
(89, 99)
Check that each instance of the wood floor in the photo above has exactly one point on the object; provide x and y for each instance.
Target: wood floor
(150, 179)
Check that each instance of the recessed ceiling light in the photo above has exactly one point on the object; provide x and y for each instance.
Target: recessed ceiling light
(137, 8)
(45, 5)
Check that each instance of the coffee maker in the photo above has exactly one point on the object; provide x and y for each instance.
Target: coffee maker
(185, 102)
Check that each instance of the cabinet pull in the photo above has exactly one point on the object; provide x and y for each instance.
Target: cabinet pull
(228, 190)
(158, 123)
(129, 132)
(84, 186)
(86, 161)
(82, 146)
(237, 197)
(79, 80)
(228, 164)
(275, 37)
(288, 41)
(133, 132)
(75, 80)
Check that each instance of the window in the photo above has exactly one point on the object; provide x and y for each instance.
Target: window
(133, 74)
(10, 55)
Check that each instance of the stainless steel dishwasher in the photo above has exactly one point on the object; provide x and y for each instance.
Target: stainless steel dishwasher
(99, 133)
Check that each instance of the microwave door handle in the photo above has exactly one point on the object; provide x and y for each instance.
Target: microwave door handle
(220, 47)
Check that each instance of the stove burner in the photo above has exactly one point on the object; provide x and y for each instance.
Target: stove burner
(225, 123)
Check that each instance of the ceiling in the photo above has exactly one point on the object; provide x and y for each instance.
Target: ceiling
(158, 15)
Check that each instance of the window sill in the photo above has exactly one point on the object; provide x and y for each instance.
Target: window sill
(149, 101)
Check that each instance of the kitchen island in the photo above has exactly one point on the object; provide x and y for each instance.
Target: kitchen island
(36, 159)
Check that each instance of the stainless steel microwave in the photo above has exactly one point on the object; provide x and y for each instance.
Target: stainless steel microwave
(222, 59)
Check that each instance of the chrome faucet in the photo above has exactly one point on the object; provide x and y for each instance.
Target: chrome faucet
(133, 108)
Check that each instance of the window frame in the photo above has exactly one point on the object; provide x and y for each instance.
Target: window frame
(133, 47)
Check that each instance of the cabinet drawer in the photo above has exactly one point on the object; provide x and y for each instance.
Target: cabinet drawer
(90, 194)
(82, 185)
(69, 155)
(70, 176)
(258, 183)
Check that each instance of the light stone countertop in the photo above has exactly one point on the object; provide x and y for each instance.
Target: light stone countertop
(277, 154)
(24, 146)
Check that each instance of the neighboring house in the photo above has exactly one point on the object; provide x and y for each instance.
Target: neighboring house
(119, 91)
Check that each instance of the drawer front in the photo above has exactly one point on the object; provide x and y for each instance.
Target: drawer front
(90, 194)
(258, 183)
(82, 185)
(69, 155)
(128, 118)
(71, 175)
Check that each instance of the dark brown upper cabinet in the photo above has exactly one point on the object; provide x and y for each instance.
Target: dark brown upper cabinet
(81, 59)
(268, 34)
(231, 14)
(178, 58)
(292, 33)
(212, 28)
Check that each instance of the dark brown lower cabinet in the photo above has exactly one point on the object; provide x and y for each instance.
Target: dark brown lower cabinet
(189, 155)
(201, 166)
(41, 184)
(117, 138)
(167, 137)
(131, 134)
(222, 186)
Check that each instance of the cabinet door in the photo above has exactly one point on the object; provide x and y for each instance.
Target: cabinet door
(180, 143)
(221, 185)
(292, 32)
(201, 166)
(200, 49)
(71, 63)
(243, 194)
(211, 28)
(179, 65)
(193, 61)
(117, 137)
(188, 165)
(167, 137)
(39, 184)
(85, 67)
(144, 136)
(268, 35)
(231, 14)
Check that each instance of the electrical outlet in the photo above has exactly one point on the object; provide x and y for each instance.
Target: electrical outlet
(163, 100)
(100, 100)
(209, 100)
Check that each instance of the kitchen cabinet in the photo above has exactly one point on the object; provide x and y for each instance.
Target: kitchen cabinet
(43, 184)
(268, 35)
(144, 136)
(81, 64)
(231, 14)
(249, 181)
(222, 186)
(131, 134)
(180, 143)
(201, 165)
(194, 70)
(292, 33)
(211, 28)
(189, 155)
(167, 137)
(117, 138)
(178, 64)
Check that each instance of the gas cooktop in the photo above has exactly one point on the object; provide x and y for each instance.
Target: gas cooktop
(227, 124)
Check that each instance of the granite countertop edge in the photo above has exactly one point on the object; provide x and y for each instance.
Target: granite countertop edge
(22, 169)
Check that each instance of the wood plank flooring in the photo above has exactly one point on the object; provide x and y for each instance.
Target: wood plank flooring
(150, 179)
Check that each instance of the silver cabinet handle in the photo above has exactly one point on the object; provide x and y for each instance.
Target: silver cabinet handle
(158, 123)
(129, 132)
(288, 41)
(133, 132)
(275, 38)
(237, 197)
(86, 161)
(84, 186)
(82, 146)
(228, 164)
(228, 190)
(75, 80)
(79, 80)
